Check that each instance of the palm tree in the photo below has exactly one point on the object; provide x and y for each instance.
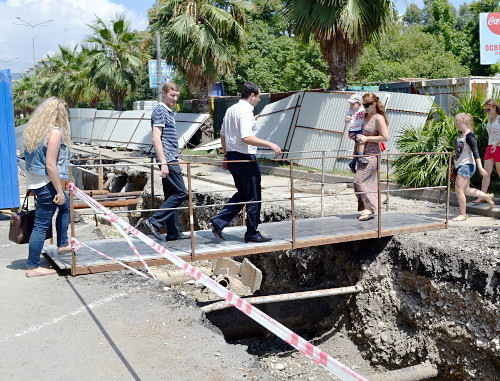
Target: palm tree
(25, 96)
(198, 37)
(65, 76)
(114, 59)
(342, 27)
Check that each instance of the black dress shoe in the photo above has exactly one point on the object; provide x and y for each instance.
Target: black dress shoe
(180, 236)
(217, 231)
(257, 238)
(153, 230)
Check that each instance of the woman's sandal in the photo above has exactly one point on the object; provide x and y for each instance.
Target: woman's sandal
(366, 217)
(490, 201)
(460, 217)
(479, 200)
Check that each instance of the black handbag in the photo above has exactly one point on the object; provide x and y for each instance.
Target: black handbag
(21, 223)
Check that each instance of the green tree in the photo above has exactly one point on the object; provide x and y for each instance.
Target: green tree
(198, 37)
(472, 31)
(342, 29)
(277, 62)
(25, 96)
(64, 75)
(114, 59)
(437, 135)
(442, 21)
(407, 52)
(413, 15)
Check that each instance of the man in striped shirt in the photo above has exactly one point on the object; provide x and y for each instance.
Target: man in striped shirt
(165, 143)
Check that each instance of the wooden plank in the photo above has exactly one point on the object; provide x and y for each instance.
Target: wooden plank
(309, 232)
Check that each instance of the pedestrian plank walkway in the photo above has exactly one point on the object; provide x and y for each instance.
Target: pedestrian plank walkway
(308, 232)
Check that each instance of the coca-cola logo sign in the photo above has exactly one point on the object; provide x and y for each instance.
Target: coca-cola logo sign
(493, 21)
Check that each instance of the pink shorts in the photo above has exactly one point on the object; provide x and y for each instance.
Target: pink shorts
(495, 155)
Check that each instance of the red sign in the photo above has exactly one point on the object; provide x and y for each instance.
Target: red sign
(493, 21)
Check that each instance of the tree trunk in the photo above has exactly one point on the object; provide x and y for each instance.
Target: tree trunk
(338, 77)
(203, 107)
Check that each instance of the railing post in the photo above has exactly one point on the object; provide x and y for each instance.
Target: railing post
(379, 199)
(100, 172)
(323, 178)
(448, 190)
(72, 222)
(191, 212)
(152, 182)
(387, 181)
(292, 202)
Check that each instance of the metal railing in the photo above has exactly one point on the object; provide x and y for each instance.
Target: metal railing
(290, 160)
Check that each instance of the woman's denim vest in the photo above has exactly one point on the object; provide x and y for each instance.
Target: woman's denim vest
(36, 160)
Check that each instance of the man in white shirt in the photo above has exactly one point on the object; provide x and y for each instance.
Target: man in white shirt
(240, 143)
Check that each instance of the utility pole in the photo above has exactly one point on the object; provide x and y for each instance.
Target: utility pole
(158, 57)
(33, 26)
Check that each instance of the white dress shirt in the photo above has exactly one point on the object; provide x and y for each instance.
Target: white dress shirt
(239, 123)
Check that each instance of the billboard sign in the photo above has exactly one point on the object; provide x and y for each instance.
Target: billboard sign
(167, 72)
(489, 37)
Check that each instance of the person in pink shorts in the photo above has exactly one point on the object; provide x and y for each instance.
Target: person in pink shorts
(492, 154)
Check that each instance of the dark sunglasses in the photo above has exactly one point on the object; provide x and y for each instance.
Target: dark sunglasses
(487, 109)
(366, 105)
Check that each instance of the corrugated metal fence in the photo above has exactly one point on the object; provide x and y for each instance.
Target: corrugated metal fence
(9, 185)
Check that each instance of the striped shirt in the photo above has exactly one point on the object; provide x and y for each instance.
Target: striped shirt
(162, 116)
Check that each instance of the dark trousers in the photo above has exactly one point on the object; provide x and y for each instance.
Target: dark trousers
(45, 210)
(175, 193)
(247, 181)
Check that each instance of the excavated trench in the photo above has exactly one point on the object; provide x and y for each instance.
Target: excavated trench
(424, 298)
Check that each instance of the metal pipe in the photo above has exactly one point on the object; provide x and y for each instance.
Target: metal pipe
(292, 202)
(379, 200)
(191, 211)
(421, 371)
(323, 179)
(72, 222)
(448, 190)
(286, 297)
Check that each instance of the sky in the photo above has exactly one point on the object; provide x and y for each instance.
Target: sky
(69, 25)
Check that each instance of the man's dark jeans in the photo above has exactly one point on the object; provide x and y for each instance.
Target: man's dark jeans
(247, 181)
(175, 193)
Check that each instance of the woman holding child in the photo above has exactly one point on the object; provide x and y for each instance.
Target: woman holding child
(374, 131)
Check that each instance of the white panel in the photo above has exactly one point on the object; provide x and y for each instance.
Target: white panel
(209, 146)
(410, 102)
(188, 117)
(82, 122)
(142, 139)
(123, 132)
(282, 104)
(105, 122)
(275, 127)
(132, 114)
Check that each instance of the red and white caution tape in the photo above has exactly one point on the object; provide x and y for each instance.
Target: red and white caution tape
(305, 347)
(98, 208)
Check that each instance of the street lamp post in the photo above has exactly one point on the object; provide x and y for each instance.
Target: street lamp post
(33, 26)
(6, 61)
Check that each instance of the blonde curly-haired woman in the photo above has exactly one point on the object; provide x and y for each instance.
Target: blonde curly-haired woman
(47, 139)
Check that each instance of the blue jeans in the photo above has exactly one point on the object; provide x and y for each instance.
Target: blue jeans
(247, 181)
(175, 193)
(45, 209)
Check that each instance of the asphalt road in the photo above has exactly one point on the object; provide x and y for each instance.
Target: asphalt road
(113, 326)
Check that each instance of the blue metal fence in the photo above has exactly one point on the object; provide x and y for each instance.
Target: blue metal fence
(9, 185)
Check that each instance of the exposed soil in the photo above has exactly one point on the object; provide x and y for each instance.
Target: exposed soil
(429, 296)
